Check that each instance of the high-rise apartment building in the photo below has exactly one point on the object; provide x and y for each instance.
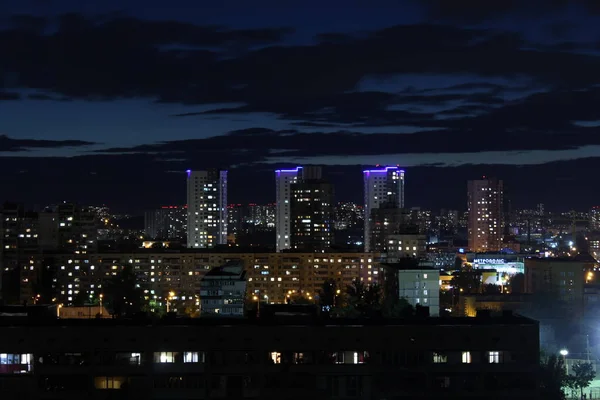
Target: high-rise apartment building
(168, 222)
(312, 215)
(595, 218)
(284, 178)
(485, 207)
(381, 186)
(207, 208)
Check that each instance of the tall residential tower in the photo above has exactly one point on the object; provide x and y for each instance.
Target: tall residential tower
(485, 199)
(284, 179)
(207, 208)
(383, 186)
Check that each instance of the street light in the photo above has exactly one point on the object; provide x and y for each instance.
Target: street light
(257, 300)
(101, 308)
(171, 295)
(565, 353)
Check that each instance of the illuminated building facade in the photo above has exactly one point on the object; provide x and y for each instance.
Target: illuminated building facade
(160, 272)
(207, 208)
(284, 178)
(485, 207)
(381, 186)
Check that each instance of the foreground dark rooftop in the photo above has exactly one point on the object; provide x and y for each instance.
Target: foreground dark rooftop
(297, 321)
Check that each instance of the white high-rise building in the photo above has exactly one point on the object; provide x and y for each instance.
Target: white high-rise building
(207, 208)
(284, 179)
(382, 186)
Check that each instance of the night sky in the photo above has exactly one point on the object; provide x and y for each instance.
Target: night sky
(111, 101)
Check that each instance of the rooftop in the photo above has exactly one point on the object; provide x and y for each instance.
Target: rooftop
(296, 321)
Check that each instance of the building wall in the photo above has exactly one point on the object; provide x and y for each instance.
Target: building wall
(563, 280)
(223, 291)
(159, 273)
(485, 207)
(207, 208)
(402, 359)
(283, 196)
(312, 216)
(401, 246)
(168, 222)
(421, 287)
(382, 185)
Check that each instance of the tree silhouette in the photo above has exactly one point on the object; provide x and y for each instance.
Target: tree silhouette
(553, 378)
(517, 283)
(583, 375)
(490, 288)
(80, 298)
(45, 285)
(328, 293)
(122, 293)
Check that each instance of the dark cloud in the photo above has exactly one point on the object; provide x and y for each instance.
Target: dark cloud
(8, 144)
(256, 145)
(183, 63)
(475, 11)
(7, 96)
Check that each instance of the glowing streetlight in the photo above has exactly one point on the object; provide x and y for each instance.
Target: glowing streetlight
(257, 300)
(171, 295)
(564, 353)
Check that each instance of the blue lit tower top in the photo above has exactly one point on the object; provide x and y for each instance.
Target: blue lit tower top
(383, 185)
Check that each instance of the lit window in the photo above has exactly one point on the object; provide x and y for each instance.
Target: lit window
(164, 357)
(466, 357)
(275, 357)
(193, 357)
(494, 357)
(109, 382)
(439, 358)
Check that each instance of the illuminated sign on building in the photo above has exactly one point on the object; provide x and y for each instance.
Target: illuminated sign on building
(499, 261)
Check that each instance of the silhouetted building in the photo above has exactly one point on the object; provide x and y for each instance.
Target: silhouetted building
(385, 220)
(560, 281)
(284, 179)
(485, 207)
(168, 222)
(280, 358)
(312, 215)
(207, 208)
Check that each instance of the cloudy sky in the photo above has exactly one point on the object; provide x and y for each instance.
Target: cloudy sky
(111, 101)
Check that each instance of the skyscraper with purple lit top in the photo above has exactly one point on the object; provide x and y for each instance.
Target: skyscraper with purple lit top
(384, 185)
(284, 179)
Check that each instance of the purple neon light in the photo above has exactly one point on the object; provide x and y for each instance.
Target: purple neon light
(189, 172)
(382, 170)
(279, 171)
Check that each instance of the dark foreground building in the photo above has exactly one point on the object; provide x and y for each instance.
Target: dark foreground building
(426, 358)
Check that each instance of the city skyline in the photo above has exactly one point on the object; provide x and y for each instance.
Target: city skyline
(194, 88)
